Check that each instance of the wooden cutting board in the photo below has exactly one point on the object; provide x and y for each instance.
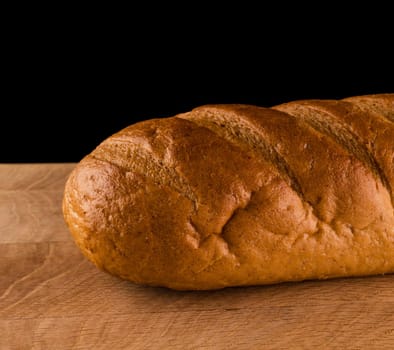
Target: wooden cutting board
(51, 297)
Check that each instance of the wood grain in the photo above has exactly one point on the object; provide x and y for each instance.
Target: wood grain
(51, 297)
(30, 197)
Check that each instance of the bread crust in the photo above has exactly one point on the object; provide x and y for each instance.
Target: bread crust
(236, 195)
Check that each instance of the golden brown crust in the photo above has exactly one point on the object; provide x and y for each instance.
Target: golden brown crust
(230, 195)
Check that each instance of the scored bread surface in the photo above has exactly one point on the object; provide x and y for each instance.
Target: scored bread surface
(236, 195)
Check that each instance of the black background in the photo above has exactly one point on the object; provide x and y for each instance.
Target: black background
(68, 87)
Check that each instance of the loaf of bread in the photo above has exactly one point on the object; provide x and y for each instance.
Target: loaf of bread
(237, 195)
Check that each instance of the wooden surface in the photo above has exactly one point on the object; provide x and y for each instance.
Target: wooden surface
(51, 297)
